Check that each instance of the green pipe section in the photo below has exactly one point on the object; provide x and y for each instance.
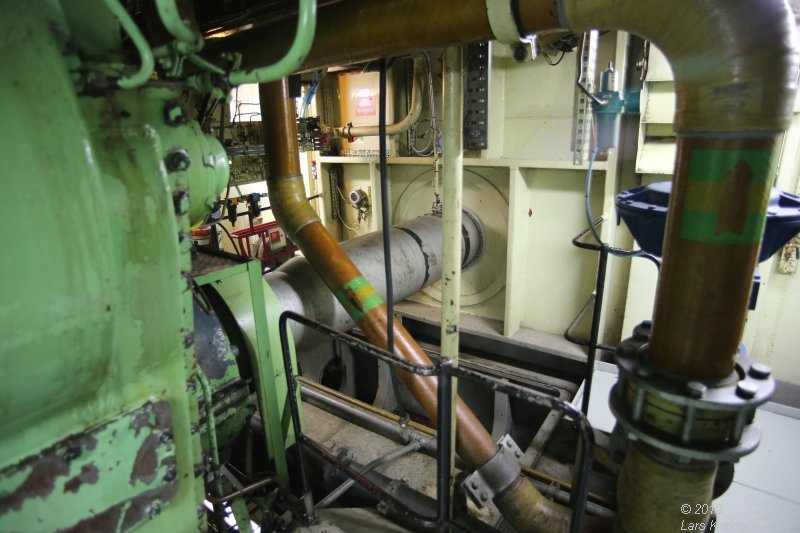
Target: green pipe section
(304, 37)
(171, 18)
(145, 54)
(452, 188)
(211, 429)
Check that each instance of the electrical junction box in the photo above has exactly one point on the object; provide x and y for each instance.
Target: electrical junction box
(358, 104)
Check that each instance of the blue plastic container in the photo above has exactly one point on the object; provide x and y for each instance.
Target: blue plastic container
(644, 210)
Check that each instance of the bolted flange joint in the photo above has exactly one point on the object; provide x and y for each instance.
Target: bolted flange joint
(691, 419)
(496, 474)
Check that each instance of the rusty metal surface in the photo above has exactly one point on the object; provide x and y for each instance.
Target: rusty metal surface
(116, 475)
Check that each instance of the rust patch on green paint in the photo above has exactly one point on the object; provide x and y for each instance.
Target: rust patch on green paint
(89, 474)
(145, 465)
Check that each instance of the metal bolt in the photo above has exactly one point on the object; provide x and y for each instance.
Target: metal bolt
(644, 370)
(518, 454)
(153, 510)
(170, 475)
(484, 497)
(474, 484)
(746, 390)
(759, 371)
(641, 351)
(695, 389)
(642, 331)
(180, 201)
(178, 160)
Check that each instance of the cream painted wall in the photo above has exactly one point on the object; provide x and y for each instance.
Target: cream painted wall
(558, 276)
(772, 332)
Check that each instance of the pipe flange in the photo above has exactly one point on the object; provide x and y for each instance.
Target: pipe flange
(703, 420)
(496, 474)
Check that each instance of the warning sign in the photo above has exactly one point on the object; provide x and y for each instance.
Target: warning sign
(366, 103)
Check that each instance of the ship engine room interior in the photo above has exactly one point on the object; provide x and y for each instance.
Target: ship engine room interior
(400, 265)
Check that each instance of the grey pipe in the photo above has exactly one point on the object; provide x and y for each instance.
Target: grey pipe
(345, 486)
(416, 263)
(373, 422)
(394, 431)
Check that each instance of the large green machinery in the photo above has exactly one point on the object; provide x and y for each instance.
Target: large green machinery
(135, 379)
(99, 404)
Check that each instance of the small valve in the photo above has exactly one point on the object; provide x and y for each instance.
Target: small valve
(607, 108)
(358, 198)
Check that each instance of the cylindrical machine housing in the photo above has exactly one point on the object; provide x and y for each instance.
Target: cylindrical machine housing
(416, 263)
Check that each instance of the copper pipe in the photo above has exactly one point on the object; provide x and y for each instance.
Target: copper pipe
(291, 209)
(353, 31)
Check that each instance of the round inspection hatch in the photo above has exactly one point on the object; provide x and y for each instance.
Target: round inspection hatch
(487, 276)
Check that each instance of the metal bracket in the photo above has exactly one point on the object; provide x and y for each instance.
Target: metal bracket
(496, 474)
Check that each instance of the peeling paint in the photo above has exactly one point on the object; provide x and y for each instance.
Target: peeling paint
(128, 462)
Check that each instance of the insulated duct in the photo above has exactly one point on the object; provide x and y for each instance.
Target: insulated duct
(416, 263)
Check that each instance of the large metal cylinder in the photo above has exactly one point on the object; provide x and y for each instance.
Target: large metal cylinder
(416, 263)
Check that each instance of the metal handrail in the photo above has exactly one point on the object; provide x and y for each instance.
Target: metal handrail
(445, 373)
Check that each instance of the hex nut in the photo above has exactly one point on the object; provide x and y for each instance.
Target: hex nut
(695, 389)
(746, 390)
(178, 160)
(759, 371)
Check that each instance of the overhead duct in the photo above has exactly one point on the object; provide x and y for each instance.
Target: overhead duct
(735, 69)
(416, 263)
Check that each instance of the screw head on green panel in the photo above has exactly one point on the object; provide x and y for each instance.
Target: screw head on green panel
(178, 160)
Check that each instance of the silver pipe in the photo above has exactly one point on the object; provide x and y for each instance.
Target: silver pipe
(389, 457)
(416, 263)
(371, 421)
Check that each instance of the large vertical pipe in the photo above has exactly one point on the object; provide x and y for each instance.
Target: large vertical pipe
(452, 181)
(735, 67)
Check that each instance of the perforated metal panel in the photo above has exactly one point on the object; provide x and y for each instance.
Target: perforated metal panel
(476, 96)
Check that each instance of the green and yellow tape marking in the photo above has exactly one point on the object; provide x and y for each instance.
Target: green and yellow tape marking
(726, 195)
(358, 297)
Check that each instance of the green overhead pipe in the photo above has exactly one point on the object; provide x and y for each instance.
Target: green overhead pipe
(304, 37)
(170, 16)
(146, 55)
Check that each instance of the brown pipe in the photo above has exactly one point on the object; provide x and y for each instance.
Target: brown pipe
(353, 31)
(734, 65)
